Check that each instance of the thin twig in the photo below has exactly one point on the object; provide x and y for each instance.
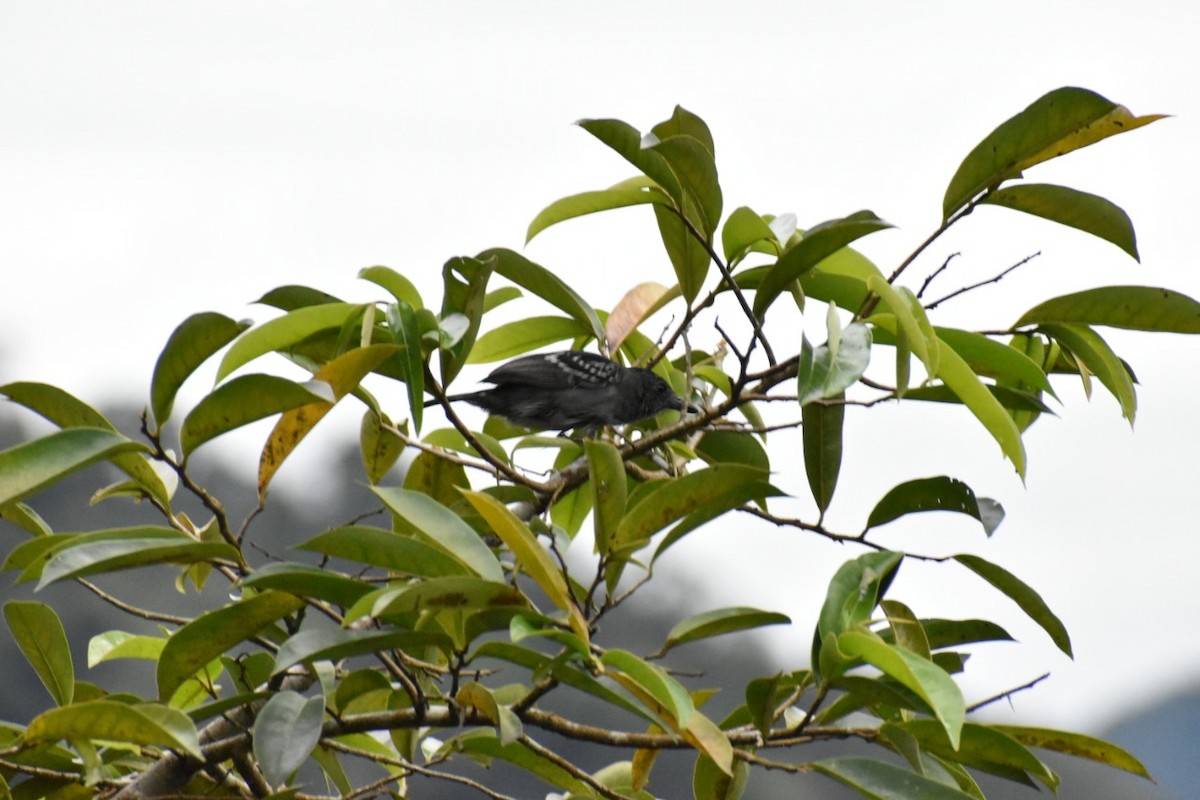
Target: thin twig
(570, 768)
(1009, 693)
(154, 616)
(973, 286)
(935, 273)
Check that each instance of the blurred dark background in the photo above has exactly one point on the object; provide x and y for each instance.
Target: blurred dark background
(1164, 736)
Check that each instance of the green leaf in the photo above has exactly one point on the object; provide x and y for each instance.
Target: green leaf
(961, 380)
(684, 123)
(941, 493)
(819, 242)
(929, 681)
(243, 400)
(627, 141)
(710, 783)
(437, 477)
(983, 747)
(530, 556)
(853, 594)
(465, 283)
(406, 555)
(1140, 308)
(113, 721)
(882, 781)
(1087, 346)
(1023, 595)
(483, 744)
(608, 487)
(578, 205)
(454, 593)
(32, 466)
(742, 231)
(523, 335)
(720, 622)
(285, 331)
(693, 164)
(305, 580)
(212, 633)
(689, 257)
(86, 556)
(380, 445)
(822, 443)
(402, 319)
(1075, 744)
(996, 360)
(39, 633)
(835, 366)
(546, 285)
(189, 346)
(394, 283)
(333, 644)
(733, 447)
(26, 519)
(292, 297)
(475, 695)
(67, 411)
(442, 528)
(113, 645)
(285, 732)
(1053, 125)
(650, 684)
(905, 629)
(1071, 207)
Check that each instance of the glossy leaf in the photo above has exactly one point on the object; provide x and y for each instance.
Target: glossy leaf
(933, 494)
(285, 331)
(531, 557)
(452, 593)
(819, 242)
(294, 296)
(398, 286)
(25, 518)
(692, 162)
(1023, 595)
(608, 487)
(577, 205)
(627, 141)
(704, 734)
(961, 380)
(90, 557)
(733, 447)
(39, 634)
(443, 529)
(742, 231)
(853, 594)
(67, 411)
(306, 580)
(475, 695)
(1088, 346)
(996, 360)
(406, 332)
(333, 644)
(32, 466)
(632, 310)
(822, 443)
(243, 400)
(720, 622)
(651, 685)
(286, 730)
(905, 629)
(1141, 308)
(114, 645)
(541, 282)
(110, 720)
(464, 283)
(212, 633)
(1075, 744)
(689, 256)
(406, 555)
(191, 344)
(1071, 207)
(929, 681)
(343, 375)
(834, 366)
(522, 335)
(1055, 124)
(882, 781)
(983, 747)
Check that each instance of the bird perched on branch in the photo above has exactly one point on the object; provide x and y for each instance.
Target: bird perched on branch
(572, 389)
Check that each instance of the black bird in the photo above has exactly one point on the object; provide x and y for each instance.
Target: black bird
(572, 389)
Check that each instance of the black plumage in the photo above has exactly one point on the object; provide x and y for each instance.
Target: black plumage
(572, 389)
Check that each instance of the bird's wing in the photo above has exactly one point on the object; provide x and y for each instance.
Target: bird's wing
(556, 370)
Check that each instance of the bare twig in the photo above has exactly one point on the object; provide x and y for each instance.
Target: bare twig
(1009, 693)
(154, 616)
(935, 273)
(973, 286)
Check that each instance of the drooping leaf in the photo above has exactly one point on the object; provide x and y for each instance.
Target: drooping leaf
(109, 720)
(1023, 595)
(1141, 308)
(608, 487)
(285, 732)
(719, 622)
(941, 493)
(1076, 744)
(689, 256)
(32, 466)
(1073, 208)
(398, 286)
(212, 633)
(692, 162)
(1055, 124)
(996, 360)
(379, 444)
(465, 283)
(983, 747)
(627, 141)
(189, 346)
(1090, 348)
(822, 444)
(285, 331)
(853, 594)
(406, 332)
(541, 282)
(650, 684)
(39, 634)
(577, 205)
(963, 381)
(243, 400)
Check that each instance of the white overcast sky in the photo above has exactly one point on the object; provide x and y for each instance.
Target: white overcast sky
(158, 159)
